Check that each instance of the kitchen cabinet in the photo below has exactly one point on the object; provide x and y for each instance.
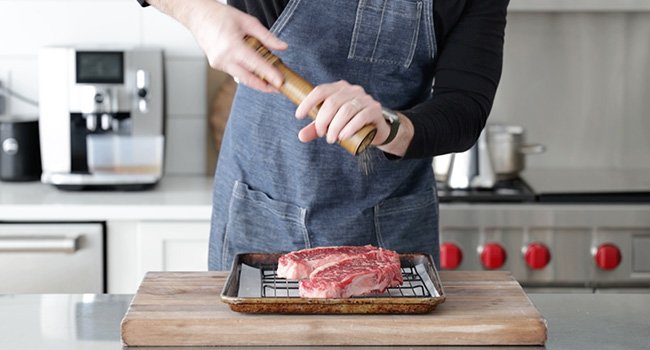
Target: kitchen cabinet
(136, 247)
(173, 246)
(164, 229)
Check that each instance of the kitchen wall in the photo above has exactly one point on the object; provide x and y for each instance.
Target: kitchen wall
(580, 83)
(26, 25)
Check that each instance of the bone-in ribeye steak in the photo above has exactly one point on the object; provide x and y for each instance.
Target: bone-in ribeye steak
(342, 272)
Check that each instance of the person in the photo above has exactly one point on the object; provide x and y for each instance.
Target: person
(424, 73)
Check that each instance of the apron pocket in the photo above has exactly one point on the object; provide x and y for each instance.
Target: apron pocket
(386, 31)
(258, 223)
(409, 223)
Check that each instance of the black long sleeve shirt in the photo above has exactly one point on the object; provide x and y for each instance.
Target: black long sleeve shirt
(470, 35)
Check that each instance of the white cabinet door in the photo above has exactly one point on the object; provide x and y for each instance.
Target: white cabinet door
(173, 246)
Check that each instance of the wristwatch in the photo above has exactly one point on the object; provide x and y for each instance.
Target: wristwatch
(143, 3)
(392, 118)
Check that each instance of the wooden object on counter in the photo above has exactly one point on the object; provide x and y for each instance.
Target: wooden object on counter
(184, 309)
(221, 90)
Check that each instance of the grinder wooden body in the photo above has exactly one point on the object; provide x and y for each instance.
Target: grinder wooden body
(296, 88)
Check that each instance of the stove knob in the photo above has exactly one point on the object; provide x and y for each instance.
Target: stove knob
(493, 256)
(450, 256)
(537, 256)
(607, 256)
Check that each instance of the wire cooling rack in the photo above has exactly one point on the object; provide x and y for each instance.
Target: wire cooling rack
(273, 286)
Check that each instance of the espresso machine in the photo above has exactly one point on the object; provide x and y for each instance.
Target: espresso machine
(101, 117)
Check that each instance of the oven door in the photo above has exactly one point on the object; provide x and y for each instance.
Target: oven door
(52, 258)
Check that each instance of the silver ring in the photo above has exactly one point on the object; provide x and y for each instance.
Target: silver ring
(356, 104)
(236, 80)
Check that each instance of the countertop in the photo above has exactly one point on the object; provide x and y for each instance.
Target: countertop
(88, 321)
(174, 198)
(190, 197)
(562, 180)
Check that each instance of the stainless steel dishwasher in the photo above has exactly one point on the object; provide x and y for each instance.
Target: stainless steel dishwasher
(52, 258)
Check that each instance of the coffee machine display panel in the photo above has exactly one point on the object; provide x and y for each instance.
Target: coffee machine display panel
(100, 67)
(110, 99)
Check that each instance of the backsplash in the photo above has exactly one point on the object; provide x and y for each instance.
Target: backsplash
(27, 25)
(579, 82)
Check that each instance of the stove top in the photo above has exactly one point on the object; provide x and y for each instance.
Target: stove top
(507, 191)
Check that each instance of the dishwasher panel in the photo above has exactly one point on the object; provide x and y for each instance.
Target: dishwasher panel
(52, 258)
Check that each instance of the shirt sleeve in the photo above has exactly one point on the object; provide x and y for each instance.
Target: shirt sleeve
(467, 74)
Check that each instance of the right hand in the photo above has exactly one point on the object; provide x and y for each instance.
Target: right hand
(220, 29)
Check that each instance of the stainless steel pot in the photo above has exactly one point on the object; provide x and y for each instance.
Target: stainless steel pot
(508, 150)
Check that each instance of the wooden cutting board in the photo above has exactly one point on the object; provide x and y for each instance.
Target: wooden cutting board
(185, 309)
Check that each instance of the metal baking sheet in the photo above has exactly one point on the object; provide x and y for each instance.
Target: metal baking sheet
(253, 287)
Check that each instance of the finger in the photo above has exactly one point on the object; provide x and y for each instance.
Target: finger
(369, 115)
(329, 108)
(251, 60)
(308, 133)
(257, 30)
(249, 79)
(344, 114)
(313, 99)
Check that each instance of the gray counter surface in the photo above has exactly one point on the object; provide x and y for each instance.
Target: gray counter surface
(87, 321)
(568, 181)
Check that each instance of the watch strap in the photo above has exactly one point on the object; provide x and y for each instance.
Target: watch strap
(393, 119)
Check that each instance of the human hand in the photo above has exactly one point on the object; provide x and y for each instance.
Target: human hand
(220, 29)
(345, 109)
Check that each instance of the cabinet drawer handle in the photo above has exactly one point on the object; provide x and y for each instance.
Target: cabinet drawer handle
(58, 244)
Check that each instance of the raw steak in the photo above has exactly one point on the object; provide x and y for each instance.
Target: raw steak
(367, 273)
(299, 264)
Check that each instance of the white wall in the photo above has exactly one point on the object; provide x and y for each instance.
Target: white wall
(26, 25)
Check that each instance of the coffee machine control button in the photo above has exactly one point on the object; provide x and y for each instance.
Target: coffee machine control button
(106, 121)
(142, 93)
(91, 122)
(99, 98)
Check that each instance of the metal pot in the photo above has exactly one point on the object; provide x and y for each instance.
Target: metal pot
(472, 168)
(508, 150)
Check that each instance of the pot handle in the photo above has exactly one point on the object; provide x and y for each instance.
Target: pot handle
(535, 148)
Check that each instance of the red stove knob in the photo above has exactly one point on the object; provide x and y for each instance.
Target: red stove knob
(493, 256)
(607, 256)
(450, 256)
(537, 256)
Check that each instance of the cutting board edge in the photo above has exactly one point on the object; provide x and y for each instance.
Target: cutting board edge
(536, 330)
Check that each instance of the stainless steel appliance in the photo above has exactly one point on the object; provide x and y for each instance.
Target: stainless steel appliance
(579, 238)
(20, 155)
(101, 117)
(52, 258)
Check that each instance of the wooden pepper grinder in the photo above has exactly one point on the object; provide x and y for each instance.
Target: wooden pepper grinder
(296, 88)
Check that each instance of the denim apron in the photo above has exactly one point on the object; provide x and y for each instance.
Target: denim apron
(273, 193)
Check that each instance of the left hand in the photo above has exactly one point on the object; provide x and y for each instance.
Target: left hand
(345, 109)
